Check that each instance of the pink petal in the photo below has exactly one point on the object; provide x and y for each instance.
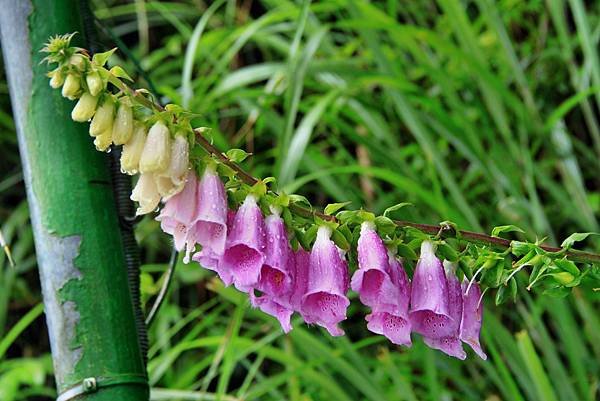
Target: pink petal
(177, 215)
(244, 254)
(325, 302)
(472, 316)
(429, 313)
(395, 328)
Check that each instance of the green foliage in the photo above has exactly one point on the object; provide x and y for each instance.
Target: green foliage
(479, 112)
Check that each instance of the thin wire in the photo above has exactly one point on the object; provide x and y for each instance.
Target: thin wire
(163, 289)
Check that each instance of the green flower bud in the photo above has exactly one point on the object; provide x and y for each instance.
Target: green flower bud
(123, 124)
(157, 151)
(103, 119)
(85, 108)
(57, 79)
(103, 140)
(564, 278)
(71, 87)
(132, 151)
(94, 83)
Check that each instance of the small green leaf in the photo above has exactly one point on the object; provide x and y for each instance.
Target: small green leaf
(334, 207)
(119, 72)
(507, 292)
(237, 155)
(299, 199)
(396, 207)
(504, 229)
(348, 216)
(385, 225)
(101, 58)
(447, 252)
(575, 237)
(557, 292)
(340, 240)
(406, 252)
(302, 239)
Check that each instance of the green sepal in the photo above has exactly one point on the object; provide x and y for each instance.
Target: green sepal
(101, 58)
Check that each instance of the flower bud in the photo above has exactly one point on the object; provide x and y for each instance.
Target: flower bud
(123, 124)
(71, 87)
(85, 108)
(56, 79)
(103, 140)
(78, 61)
(146, 194)
(103, 119)
(94, 83)
(132, 150)
(156, 154)
(171, 181)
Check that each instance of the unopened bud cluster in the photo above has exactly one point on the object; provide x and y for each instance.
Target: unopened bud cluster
(154, 147)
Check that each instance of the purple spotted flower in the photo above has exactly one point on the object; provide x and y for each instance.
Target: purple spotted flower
(472, 316)
(276, 274)
(391, 320)
(245, 249)
(372, 280)
(451, 344)
(177, 216)
(210, 225)
(429, 310)
(325, 301)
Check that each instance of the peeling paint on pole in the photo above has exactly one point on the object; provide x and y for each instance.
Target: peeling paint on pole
(80, 257)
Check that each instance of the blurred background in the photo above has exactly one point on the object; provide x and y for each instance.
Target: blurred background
(481, 112)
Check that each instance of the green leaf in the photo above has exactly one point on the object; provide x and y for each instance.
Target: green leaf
(507, 292)
(301, 200)
(119, 72)
(385, 225)
(334, 207)
(575, 237)
(406, 252)
(504, 229)
(340, 240)
(447, 252)
(237, 155)
(397, 206)
(101, 58)
(348, 216)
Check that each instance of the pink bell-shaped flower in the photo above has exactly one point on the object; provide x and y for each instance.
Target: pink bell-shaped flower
(429, 311)
(210, 218)
(451, 344)
(244, 253)
(472, 316)
(276, 275)
(372, 280)
(207, 259)
(391, 320)
(325, 301)
(177, 215)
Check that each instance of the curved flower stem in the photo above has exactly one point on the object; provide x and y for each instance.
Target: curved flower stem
(443, 231)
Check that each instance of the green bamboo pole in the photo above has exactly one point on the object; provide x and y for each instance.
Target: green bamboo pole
(87, 302)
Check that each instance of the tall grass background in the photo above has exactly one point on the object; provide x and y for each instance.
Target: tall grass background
(480, 112)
